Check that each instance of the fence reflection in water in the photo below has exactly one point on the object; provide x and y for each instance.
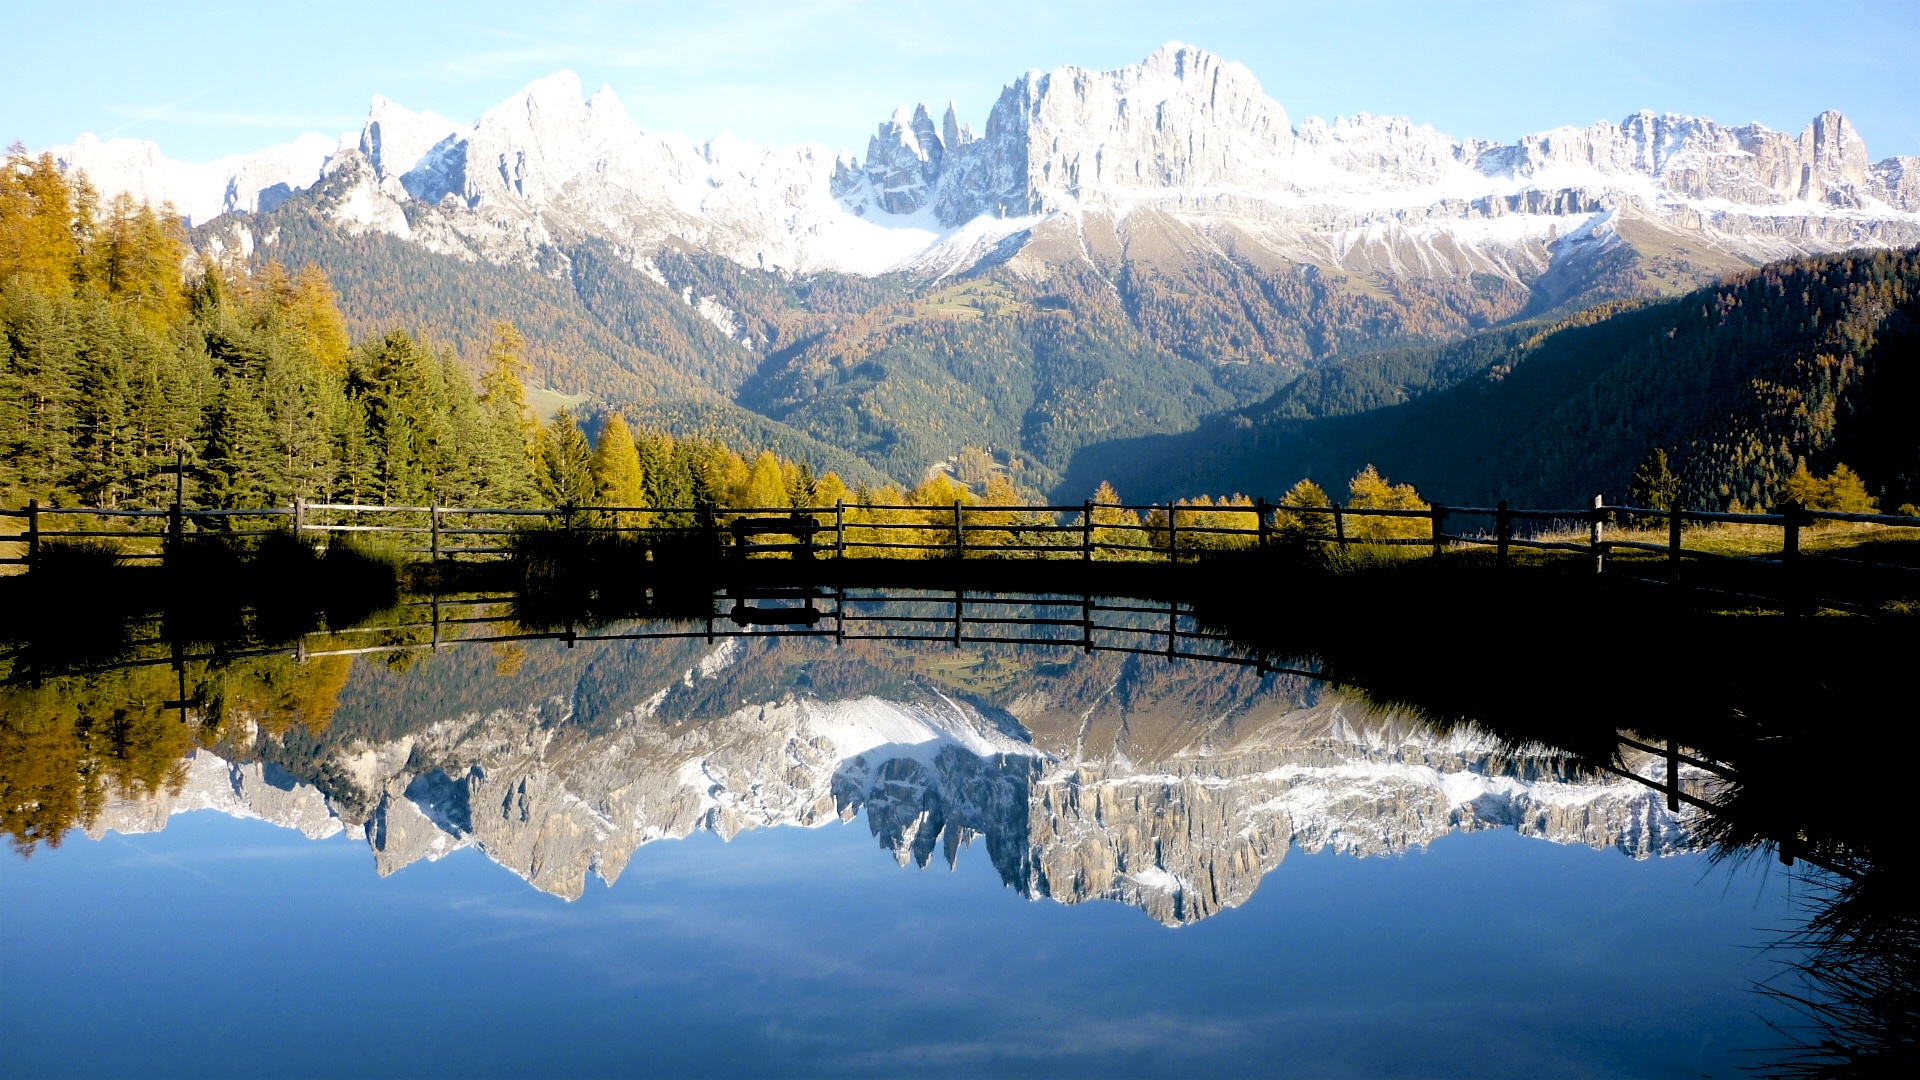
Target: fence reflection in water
(1086, 622)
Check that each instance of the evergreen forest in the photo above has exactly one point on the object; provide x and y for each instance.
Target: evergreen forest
(1807, 368)
(134, 371)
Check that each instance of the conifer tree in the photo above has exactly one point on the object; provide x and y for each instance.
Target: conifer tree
(616, 466)
(1841, 491)
(314, 320)
(135, 257)
(239, 453)
(42, 218)
(356, 476)
(505, 449)
(667, 477)
(1368, 490)
(408, 428)
(721, 474)
(1112, 526)
(102, 421)
(765, 487)
(801, 484)
(1305, 493)
(302, 406)
(830, 489)
(1654, 484)
(566, 463)
(41, 389)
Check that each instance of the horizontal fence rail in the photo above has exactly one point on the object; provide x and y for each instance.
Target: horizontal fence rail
(1088, 531)
(1082, 622)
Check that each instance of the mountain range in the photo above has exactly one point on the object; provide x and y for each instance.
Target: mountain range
(1182, 151)
(1111, 255)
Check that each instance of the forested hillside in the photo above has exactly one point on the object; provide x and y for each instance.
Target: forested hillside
(123, 356)
(1032, 362)
(1811, 362)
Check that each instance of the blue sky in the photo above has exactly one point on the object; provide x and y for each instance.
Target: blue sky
(209, 79)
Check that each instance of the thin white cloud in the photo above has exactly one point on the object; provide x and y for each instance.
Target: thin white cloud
(748, 36)
(158, 111)
(172, 114)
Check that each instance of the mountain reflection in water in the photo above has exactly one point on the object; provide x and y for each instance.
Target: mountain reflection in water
(1093, 749)
(1172, 786)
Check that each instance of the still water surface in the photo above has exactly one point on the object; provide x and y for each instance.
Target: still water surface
(898, 858)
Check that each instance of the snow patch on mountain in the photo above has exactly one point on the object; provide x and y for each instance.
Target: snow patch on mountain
(722, 317)
(244, 184)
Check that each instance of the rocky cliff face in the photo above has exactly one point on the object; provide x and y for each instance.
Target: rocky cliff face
(1102, 781)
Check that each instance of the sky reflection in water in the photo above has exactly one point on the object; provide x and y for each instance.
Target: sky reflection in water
(226, 947)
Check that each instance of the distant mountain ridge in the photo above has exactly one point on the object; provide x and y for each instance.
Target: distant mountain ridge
(1183, 134)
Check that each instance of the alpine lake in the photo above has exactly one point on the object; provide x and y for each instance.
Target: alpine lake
(874, 832)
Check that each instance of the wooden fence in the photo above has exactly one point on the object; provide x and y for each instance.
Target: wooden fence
(1086, 622)
(1088, 532)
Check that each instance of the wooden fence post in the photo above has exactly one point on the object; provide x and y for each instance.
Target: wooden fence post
(1439, 514)
(1790, 541)
(1173, 534)
(299, 519)
(176, 519)
(1597, 532)
(1795, 516)
(959, 532)
(1673, 774)
(1260, 524)
(1673, 540)
(1339, 526)
(33, 533)
(433, 528)
(839, 528)
(1503, 529)
(1086, 532)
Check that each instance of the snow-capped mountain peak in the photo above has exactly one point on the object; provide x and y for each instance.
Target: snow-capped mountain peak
(395, 139)
(1184, 137)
